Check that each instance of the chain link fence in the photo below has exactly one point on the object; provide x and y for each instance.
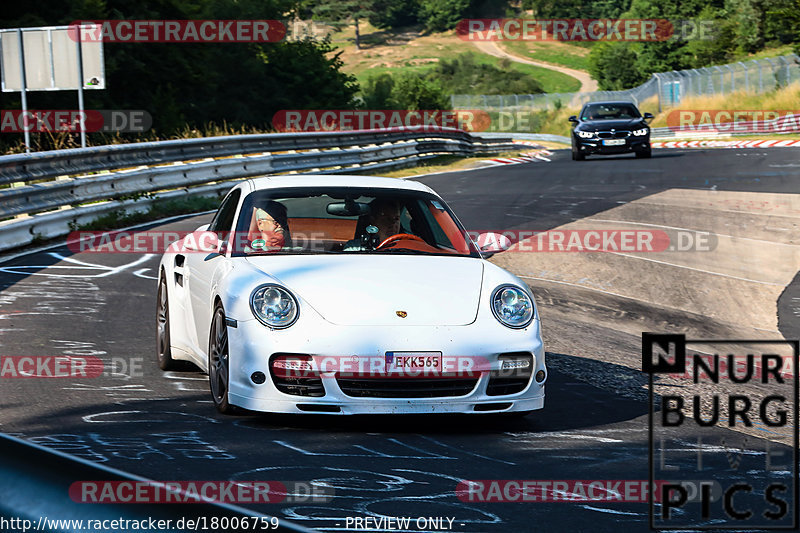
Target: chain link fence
(669, 87)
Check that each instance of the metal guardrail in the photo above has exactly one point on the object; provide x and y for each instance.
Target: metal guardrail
(667, 88)
(787, 124)
(48, 193)
(42, 165)
(35, 486)
(529, 137)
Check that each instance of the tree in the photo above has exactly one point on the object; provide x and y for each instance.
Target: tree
(441, 15)
(192, 85)
(614, 66)
(749, 18)
(340, 13)
(782, 22)
(412, 91)
(394, 13)
(377, 92)
(407, 90)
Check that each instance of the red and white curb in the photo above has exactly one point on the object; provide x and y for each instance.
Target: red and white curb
(726, 144)
(530, 157)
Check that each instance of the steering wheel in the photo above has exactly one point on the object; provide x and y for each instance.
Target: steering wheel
(398, 237)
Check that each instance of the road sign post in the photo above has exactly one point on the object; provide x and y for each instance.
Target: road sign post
(52, 58)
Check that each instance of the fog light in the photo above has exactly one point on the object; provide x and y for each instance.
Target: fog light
(540, 376)
(258, 378)
(516, 363)
(293, 366)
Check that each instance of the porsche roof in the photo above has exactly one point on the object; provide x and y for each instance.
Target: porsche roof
(334, 180)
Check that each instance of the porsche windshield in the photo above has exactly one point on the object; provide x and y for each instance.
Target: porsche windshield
(347, 221)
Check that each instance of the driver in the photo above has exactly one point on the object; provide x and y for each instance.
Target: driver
(382, 222)
(385, 215)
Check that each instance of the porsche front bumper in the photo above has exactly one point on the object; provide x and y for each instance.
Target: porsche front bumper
(252, 345)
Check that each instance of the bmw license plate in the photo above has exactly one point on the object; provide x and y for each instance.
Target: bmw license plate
(413, 361)
(613, 142)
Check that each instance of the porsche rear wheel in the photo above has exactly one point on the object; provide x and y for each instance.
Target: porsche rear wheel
(218, 362)
(164, 350)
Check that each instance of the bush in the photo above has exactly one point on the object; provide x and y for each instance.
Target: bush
(441, 15)
(463, 75)
(614, 66)
(406, 91)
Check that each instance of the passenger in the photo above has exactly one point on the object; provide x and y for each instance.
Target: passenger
(269, 228)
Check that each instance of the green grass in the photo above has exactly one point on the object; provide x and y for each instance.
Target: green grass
(392, 52)
(768, 52)
(561, 54)
(551, 81)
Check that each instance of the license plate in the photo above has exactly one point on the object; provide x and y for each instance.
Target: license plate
(613, 142)
(413, 361)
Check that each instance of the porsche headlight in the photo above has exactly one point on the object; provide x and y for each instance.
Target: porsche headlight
(512, 306)
(641, 132)
(274, 306)
(585, 134)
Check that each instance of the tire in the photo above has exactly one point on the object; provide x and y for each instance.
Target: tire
(219, 362)
(576, 155)
(644, 154)
(163, 348)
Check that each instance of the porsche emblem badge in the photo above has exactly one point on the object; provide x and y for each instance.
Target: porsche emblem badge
(401, 314)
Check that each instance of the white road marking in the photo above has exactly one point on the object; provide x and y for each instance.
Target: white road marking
(91, 418)
(611, 511)
(693, 230)
(139, 274)
(75, 264)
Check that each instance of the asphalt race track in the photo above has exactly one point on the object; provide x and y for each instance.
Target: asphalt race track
(595, 423)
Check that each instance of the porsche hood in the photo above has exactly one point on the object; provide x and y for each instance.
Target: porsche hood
(382, 290)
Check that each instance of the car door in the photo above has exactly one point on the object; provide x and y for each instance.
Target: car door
(202, 267)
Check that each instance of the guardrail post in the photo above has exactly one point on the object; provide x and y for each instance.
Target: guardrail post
(772, 66)
(746, 72)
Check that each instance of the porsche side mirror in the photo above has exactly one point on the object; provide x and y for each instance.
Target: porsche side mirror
(491, 243)
(202, 241)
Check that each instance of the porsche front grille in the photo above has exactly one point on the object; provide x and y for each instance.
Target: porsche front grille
(407, 387)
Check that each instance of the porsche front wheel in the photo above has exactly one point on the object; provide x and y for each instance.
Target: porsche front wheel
(164, 350)
(218, 362)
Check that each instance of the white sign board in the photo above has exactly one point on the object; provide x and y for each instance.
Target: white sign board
(51, 60)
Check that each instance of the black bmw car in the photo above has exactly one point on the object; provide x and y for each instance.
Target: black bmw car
(610, 128)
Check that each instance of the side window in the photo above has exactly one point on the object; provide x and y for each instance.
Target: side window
(223, 220)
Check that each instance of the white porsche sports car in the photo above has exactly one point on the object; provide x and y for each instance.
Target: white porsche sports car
(348, 295)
